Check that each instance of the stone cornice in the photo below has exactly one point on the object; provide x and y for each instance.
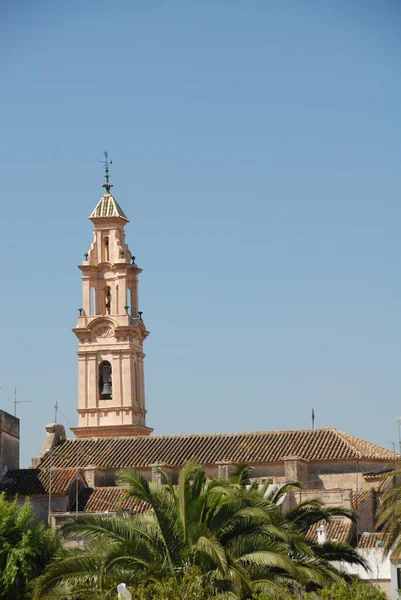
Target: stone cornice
(136, 410)
(102, 223)
(111, 431)
(88, 266)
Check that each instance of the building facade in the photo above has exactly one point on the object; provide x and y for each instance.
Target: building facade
(9, 441)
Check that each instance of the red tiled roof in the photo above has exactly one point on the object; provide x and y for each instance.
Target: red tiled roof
(359, 497)
(176, 450)
(108, 498)
(381, 481)
(366, 542)
(31, 482)
(339, 529)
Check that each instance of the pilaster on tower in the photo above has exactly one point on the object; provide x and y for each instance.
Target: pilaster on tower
(110, 330)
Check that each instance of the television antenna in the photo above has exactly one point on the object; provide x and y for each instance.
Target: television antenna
(398, 421)
(17, 401)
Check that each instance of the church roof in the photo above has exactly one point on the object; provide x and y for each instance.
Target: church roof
(108, 207)
(361, 496)
(176, 450)
(108, 498)
(31, 482)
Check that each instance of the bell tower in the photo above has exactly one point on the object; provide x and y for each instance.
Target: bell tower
(110, 330)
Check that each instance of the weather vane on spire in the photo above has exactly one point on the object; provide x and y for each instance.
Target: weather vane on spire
(106, 164)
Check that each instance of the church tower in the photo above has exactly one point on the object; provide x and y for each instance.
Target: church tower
(110, 330)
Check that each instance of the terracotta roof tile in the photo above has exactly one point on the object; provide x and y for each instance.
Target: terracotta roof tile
(108, 207)
(108, 498)
(372, 540)
(31, 482)
(359, 497)
(338, 529)
(176, 450)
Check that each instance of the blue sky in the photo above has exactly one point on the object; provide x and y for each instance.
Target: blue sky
(256, 151)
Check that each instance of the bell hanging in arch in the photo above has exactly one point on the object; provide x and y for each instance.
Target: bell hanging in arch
(106, 391)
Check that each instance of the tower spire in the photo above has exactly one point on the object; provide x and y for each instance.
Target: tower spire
(106, 163)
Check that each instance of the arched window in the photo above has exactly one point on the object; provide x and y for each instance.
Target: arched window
(106, 249)
(107, 300)
(92, 301)
(105, 380)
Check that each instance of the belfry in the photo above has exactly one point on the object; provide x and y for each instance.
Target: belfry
(110, 330)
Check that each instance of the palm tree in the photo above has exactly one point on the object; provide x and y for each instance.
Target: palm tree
(233, 534)
(389, 521)
(198, 521)
(313, 561)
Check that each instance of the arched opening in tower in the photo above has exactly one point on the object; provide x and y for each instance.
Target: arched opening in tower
(106, 252)
(107, 300)
(105, 380)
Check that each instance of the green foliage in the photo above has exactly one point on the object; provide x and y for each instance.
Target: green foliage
(389, 520)
(337, 591)
(233, 536)
(354, 591)
(192, 586)
(25, 548)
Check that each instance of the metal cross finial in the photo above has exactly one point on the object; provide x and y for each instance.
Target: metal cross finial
(106, 164)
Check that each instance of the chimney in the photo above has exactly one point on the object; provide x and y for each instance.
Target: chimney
(321, 535)
(156, 476)
(296, 469)
(225, 469)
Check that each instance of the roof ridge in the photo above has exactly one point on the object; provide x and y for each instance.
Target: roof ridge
(343, 435)
(210, 434)
(349, 439)
(110, 487)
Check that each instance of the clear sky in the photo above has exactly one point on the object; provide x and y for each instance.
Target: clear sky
(256, 151)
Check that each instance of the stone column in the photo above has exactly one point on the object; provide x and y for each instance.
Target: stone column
(100, 308)
(137, 381)
(141, 356)
(134, 297)
(122, 294)
(99, 249)
(122, 283)
(86, 302)
(92, 381)
(82, 375)
(126, 379)
(116, 379)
